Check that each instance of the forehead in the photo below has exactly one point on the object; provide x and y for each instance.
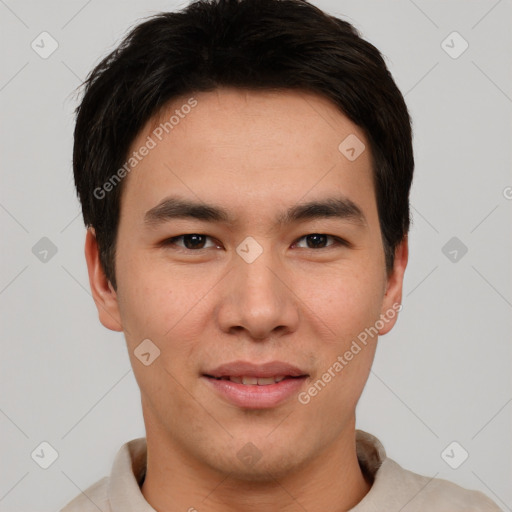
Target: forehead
(251, 151)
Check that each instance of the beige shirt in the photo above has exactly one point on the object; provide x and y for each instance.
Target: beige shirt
(393, 489)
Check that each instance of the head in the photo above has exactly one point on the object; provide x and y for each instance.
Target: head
(287, 132)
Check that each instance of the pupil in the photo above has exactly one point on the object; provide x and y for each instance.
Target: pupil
(196, 241)
(318, 239)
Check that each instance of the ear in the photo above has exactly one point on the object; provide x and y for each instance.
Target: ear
(103, 293)
(392, 302)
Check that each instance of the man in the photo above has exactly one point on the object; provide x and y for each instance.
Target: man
(244, 170)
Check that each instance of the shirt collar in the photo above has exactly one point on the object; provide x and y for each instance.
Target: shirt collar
(129, 469)
(127, 474)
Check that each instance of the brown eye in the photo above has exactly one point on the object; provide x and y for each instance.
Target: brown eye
(192, 241)
(319, 241)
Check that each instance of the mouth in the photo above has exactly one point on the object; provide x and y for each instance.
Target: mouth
(254, 381)
(252, 386)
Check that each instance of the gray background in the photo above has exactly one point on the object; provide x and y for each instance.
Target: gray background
(442, 375)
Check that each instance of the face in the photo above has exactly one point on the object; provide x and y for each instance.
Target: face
(257, 285)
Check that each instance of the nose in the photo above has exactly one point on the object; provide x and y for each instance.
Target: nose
(258, 300)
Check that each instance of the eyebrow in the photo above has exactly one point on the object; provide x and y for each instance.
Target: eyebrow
(176, 208)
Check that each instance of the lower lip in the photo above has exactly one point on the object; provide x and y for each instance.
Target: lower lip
(252, 396)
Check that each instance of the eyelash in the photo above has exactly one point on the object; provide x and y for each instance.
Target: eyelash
(338, 242)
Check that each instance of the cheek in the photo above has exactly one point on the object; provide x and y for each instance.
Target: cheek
(348, 300)
(167, 309)
(147, 297)
(146, 310)
(350, 307)
(152, 309)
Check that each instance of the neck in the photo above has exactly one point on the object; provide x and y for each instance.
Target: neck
(331, 481)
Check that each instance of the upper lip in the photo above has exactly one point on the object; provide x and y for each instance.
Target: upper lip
(246, 369)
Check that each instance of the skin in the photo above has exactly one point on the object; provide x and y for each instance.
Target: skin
(255, 154)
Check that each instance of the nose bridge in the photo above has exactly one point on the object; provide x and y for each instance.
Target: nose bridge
(259, 300)
(258, 280)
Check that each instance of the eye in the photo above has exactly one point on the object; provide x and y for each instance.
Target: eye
(197, 241)
(192, 241)
(319, 241)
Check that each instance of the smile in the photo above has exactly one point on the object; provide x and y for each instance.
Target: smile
(253, 381)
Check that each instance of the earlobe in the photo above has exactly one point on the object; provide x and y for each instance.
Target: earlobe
(103, 293)
(391, 304)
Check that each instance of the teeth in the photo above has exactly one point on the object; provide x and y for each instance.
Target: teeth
(265, 382)
(260, 381)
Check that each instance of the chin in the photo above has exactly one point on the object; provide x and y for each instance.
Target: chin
(253, 465)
